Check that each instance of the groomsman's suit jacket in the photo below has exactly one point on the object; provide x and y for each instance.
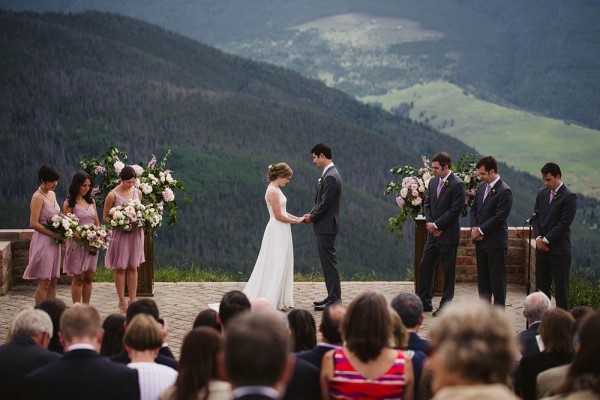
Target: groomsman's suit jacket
(325, 215)
(491, 215)
(445, 211)
(554, 219)
(82, 374)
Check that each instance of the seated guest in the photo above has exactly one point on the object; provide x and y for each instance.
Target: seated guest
(410, 309)
(583, 376)
(304, 329)
(82, 373)
(149, 307)
(31, 332)
(367, 366)
(399, 332)
(54, 308)
(232, 304)
(208, 317)
(143, 339)
(330, 328)
(557, 338)
(473, 353)
(536, 305)
(252, 377)
(199, 375)
(112, 340)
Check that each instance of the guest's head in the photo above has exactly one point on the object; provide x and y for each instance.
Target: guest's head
(331, 323)
(261, 304)
(200, 354)
(279, 170)
(410, 309)
(81, 185)
(208, 317)
(112, 340)
(55, 309)
(142, 306)
(304, 329)
(35, 324)
(556, 331)
(257, 350)
(48, 174)
(367, 327)
(232, 304)
(472, 343)
(399, 332)
(579, 313)
(80, 324)
(143, 333)
(535, 306)
(584, 372)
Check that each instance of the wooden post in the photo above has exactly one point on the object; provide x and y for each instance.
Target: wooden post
(145, 286)
(420, 240)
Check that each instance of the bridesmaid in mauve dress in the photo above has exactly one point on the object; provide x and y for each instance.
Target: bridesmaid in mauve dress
(44, 254)
(126, 250)
(80, 263)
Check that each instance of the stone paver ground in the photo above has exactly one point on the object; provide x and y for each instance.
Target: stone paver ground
(179, 303)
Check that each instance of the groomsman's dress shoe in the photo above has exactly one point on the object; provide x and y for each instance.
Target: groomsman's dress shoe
(437, 312)
(320, 303)
(427, 308)
(323, 306)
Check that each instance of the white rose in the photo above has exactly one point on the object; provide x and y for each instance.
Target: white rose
(468, 178)
(404, 192)
(118, 166)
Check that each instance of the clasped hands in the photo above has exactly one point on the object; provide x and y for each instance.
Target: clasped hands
(305, 219)
(541, 245)
(476, 234)
(433, 230)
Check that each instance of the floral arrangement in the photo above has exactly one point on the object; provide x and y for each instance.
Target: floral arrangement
(412, 189)
(127, 216)
(93, 236)
(154, 179)
(64, 224)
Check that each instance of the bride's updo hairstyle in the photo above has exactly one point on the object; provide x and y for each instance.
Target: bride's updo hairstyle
(279, 170)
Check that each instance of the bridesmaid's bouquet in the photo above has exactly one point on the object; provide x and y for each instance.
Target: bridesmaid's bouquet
(127, 216)
(65, 225)
(93, 236)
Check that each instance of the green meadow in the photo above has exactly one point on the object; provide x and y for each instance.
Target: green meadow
(521, 139)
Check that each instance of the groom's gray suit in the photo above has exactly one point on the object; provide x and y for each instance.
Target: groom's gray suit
(325, 216)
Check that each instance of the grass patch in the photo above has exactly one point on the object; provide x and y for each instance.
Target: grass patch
(584, 288)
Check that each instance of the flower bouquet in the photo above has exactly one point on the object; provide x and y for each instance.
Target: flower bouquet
(65, 225)
(127, 216)
(152, 215)
(93, 236)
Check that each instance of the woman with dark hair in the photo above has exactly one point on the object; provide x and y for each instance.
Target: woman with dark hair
(198, 372)
(208, 317)
(556, 332)
(54, 308)
(126, 250)
(80, 263)
(583, 377)
(304, 330)
(367, 366)
(112, 339)
(44, 250)
(273, 273)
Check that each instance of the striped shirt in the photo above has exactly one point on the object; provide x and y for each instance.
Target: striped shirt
(154, 378)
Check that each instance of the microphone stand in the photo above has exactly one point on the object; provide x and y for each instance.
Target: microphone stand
(528, 287)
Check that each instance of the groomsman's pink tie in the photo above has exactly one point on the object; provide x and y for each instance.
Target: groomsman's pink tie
(552, 192)
(439, 189)
(487, 191)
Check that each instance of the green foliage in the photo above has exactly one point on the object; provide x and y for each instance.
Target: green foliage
(584, 288)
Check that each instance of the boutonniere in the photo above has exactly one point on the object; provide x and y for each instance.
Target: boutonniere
(556, 195)
(492, 191)
(320, 181)
(446, 183)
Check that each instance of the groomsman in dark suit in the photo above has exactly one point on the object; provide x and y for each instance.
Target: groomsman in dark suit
(489, 231)
(555, 207)
(325, 217)
(444, 202)
(82, 373)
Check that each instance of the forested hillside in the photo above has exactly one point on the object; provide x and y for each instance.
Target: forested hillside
(73, 85)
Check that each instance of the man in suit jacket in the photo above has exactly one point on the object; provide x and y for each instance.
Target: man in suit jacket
(489, 231)
(555, 206)
(443, 203)
(325, 217)
(534, 308)
(31, 332)
(330, 328)
(82, 373)
(258, 362)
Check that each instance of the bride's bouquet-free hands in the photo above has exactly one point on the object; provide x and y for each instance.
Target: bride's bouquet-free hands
(65, 225)
(93, 238)
(127, 216)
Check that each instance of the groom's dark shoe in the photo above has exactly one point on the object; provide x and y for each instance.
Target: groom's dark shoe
(320, 303)
(323, 306)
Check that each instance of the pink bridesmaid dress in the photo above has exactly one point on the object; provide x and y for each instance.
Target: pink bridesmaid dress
(77, 259)
(126, 249)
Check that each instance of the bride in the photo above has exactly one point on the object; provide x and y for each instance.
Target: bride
(273, 273)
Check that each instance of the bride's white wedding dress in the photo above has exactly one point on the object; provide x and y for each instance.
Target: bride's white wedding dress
(273, 273)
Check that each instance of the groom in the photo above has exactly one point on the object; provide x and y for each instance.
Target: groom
(325, 217)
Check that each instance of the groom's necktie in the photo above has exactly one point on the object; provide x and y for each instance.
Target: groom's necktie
(487, 191)
(439, 188)
(552, 193)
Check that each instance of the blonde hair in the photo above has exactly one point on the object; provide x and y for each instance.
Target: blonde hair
(279, 170)
(399, 332)
(79, 321)
(143, 333)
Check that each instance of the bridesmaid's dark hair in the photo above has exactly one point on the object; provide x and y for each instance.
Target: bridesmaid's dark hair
(79, 179)
(127, 173)
(48, 174)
